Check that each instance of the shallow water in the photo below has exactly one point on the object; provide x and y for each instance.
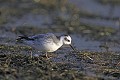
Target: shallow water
(81, 43)
(100, 22)
(30, 20)
(105, 59)
(95, 8)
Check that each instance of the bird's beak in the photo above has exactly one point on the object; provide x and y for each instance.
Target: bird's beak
(72, 47)
(77, 52)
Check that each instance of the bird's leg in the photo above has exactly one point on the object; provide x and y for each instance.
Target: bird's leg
(78, 52)
(46, 55)
(30, 51)
(31, 54)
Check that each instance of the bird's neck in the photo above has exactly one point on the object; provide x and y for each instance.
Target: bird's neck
(61, 40)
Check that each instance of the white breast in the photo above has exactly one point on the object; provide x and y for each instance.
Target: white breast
(51, 47)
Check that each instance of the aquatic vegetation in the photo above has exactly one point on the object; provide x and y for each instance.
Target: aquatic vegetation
(16, 62)
(17, 65)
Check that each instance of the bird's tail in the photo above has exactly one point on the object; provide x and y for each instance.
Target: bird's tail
(21, 38)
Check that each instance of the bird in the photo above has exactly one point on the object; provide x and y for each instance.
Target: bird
(47, 42)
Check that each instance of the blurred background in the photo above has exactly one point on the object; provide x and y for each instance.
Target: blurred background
(93, 24)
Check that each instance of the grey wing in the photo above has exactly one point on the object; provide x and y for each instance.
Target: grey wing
(40, 40)
(35, 41)
(42, 36)
(39, 36)
(51, 37)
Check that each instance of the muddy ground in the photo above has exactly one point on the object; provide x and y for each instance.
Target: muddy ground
(30, 17)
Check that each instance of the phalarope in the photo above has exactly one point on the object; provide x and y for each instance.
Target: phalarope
(46, 42)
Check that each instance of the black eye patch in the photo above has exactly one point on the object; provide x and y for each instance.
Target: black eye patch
(67, 39)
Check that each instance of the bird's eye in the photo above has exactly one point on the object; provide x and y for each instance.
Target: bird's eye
(67, 39)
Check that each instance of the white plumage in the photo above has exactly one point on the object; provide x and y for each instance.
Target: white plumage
(45, 42)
